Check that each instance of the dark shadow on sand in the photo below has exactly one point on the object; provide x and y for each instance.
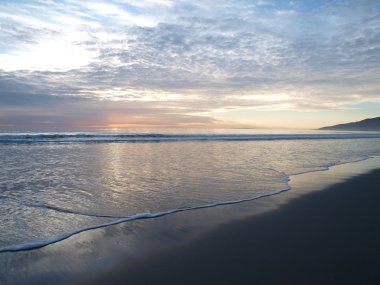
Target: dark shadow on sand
(325, 237)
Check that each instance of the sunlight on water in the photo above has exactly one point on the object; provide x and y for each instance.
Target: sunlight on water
(48, 189)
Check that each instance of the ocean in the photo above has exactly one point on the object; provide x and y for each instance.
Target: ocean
(55, 185)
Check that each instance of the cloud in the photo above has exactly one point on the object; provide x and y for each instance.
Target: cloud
(184, 57)
(27, 107)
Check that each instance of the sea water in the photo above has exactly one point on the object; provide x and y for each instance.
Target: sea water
(54, 185)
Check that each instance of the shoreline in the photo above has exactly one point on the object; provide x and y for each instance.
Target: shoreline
(100, 252)
(321, 237)
(33, 245)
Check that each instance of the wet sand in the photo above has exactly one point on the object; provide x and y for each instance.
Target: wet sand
(324, 237)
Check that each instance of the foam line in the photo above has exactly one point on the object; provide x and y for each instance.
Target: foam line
(140, 216)
(44, 242)
(330, 165)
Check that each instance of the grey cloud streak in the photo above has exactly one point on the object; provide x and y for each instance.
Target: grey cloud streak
(34, 111)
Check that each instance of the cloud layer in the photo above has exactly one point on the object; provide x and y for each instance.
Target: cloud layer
(163, 62)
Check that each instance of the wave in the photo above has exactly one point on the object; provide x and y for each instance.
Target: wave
(140, 216)
(39, 243)
(153, 137)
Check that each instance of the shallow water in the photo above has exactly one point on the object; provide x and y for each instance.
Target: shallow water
(57, 185)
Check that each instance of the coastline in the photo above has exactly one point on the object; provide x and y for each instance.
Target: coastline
(37, 244)
(97, 253)
(322, 237)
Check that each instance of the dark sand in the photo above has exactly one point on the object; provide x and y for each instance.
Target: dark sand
(325, 237)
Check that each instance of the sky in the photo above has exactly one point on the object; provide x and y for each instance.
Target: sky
(75, 65)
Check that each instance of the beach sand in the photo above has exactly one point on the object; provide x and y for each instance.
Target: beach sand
(323, 237)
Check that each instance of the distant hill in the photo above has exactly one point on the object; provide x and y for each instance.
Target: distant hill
(365, 125)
